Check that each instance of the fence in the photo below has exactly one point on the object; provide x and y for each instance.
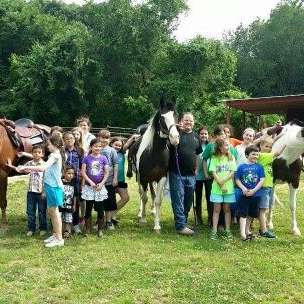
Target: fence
(115, 131)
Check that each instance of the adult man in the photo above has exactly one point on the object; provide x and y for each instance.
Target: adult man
(182, 168)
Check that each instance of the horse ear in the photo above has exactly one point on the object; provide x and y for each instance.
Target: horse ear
(162, 102)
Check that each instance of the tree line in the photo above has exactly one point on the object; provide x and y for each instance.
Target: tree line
(114, 60)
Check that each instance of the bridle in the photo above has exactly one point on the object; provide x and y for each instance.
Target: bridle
(163, 130)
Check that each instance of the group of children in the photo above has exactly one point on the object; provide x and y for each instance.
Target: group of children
(238, 180)
(81, 173)
(84, 172)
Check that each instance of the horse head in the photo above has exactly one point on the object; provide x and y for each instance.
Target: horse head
(167, 121)
(291, 136)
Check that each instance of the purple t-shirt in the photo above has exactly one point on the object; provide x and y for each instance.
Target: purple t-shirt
(95, 167)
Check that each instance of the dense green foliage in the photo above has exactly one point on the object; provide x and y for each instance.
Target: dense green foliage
(134, 265)
(111, 60)
(271, 52)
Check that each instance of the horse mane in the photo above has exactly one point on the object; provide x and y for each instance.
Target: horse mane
(297, 122)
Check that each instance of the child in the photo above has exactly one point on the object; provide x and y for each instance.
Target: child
(249, 179)
(207, 154)
(53, 187)
(34, 194)
(201, 181)
(95, 171)
(69, 203)
(265, 160)
(78, 137)
(222, 167)
(84, 124)
(248, 136)
(74, 156)
(111, 154)
(122, 186)
(56, 130)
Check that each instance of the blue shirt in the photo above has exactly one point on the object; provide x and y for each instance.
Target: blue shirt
(250, 175)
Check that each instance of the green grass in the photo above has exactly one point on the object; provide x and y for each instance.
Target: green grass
(135, 265)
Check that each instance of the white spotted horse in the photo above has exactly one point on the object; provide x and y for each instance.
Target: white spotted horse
(152, 159)
(288, 165)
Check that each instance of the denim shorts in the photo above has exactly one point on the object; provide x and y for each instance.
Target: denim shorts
(266, 197)
(222, 198)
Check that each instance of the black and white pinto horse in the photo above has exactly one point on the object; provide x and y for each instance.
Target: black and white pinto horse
(288, 165)
(152, 159)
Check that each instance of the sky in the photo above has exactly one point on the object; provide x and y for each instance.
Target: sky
(212, 18)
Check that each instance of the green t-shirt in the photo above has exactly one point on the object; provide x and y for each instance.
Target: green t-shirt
(265, 160)
(209, 151)
(222, 166)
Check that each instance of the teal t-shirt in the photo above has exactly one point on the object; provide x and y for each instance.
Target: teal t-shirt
(222, 166)
(121, 167)
(200, 174)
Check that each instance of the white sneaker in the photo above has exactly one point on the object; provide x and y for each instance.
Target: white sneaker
(29, 233)
(49, 239)
(55, 242)
(77, 229)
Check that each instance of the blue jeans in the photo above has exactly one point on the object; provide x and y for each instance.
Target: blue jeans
(181, 192)
(35, 200)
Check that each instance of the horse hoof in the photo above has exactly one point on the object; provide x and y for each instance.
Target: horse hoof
(142, 221)
(296, 232)
(157, 231)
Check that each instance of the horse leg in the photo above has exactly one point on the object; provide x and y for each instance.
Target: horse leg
(293, 207)
(3, 200)
(158, 200)
(270, 211)
(143, 201)
(153, 195)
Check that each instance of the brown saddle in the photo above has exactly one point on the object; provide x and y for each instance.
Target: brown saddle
(23, 133)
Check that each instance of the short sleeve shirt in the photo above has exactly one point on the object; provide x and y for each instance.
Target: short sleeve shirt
(222, 166)
(250, 175)
(187, 150)
(265, 160)
(111, 155)
(121, 167)
(69, 193)
(95, 167)
(36, 178)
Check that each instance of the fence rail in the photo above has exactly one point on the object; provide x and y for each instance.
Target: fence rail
(115, 131)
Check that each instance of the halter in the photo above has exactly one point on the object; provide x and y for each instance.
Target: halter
(163, 130)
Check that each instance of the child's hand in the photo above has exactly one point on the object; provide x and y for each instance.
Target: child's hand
(224, 189)
(250, 192)
(245, 190)
(92, 184)
(99, 186)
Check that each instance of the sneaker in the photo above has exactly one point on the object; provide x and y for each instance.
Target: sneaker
(228, 234)
(213, 235)
(49, 239)
(268, 234)
(29, 233)
(186, 231)
(77, 229)
(115, 222)
(99, 233)
(54, 243)
(110, 226)
(42, 233)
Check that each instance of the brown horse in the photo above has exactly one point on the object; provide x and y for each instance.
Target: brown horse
(8, 154)
(14, 137)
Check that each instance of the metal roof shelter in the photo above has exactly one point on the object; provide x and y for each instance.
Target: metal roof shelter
(291, 105)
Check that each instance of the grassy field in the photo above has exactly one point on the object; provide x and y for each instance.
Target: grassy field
(134, 265)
